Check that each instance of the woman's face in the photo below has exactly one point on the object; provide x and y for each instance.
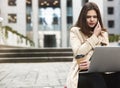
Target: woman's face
(91, 18)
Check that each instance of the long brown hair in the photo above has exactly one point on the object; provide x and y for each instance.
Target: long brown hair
(82, 23)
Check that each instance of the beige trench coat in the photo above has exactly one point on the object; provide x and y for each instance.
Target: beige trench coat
(81, 44)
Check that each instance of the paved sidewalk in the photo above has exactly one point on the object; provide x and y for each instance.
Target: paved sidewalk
(33, 75)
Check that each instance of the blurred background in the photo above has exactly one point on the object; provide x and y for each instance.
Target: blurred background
(46, 23)
(35, 50)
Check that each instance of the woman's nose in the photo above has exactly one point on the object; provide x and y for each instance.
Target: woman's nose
(91, 19)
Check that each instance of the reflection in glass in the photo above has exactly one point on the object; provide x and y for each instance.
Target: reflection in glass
(49, 15)
(29, 27)
(69, 19)
(28, 15)
(12, 2)
(12, 18)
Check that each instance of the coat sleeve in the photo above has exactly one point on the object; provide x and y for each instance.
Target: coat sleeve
(105, 38)
(81, 48)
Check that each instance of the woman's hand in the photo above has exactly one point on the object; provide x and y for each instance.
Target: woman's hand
(97, 30)
(84, 64)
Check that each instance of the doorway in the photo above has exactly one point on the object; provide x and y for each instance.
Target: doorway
(49, 41)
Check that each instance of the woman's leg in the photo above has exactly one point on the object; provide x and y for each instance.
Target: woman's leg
(112, 80)
(91, 80)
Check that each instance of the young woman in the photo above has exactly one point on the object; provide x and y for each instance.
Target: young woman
(85, 35)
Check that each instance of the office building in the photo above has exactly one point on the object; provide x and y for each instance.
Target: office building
(46, 22)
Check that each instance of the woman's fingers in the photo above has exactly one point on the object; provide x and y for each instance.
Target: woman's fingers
(84, 65)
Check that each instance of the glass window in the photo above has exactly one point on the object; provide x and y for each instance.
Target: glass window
(69, 19)
(69, 3)
(69, 12)
(29, 3)
(110, 0)
(28, 18)
(49, 15)
(84, 1)
(12, 18)
(55, 20)
(111, 23)
(12, 2)
(110, 10)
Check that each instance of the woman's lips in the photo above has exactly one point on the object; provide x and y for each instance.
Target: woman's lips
(91, 23)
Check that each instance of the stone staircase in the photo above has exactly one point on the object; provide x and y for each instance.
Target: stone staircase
(35, 55)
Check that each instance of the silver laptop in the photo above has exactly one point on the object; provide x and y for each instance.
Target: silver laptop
(105, 59)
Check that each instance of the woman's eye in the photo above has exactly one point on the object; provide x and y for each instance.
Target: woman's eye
(94, 16)
(88, 16)
(91, 16)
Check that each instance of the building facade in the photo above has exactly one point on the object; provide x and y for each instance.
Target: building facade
(46, 22)
(112, 15)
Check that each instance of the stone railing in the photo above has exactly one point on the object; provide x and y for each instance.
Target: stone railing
(8, 36)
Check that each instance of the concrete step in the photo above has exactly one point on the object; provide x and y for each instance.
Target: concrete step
(36, 59)
(35, 55)
(7, 50)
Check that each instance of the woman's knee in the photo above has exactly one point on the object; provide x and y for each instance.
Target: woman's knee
(84, 82)
(92, 80)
